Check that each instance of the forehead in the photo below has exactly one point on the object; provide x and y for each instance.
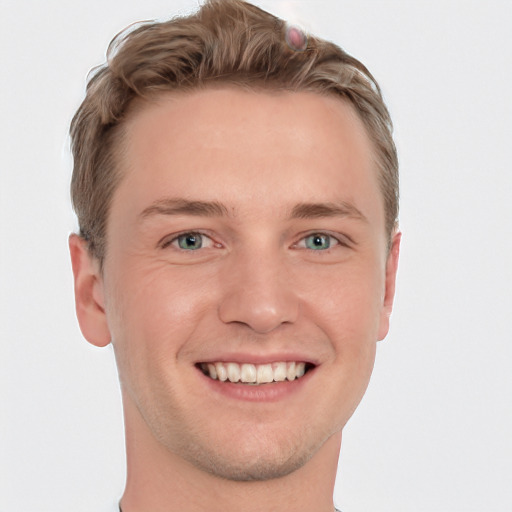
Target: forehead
(252, 150)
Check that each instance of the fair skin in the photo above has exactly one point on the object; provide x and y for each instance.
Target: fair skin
(248, 229)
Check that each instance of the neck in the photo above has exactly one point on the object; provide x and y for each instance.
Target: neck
(161, 481)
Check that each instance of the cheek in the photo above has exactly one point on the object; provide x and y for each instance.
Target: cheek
(346, 301)
(151, 316)
(154, 307)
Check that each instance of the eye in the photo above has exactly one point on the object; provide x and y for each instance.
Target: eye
(191, 241)
(318, 242)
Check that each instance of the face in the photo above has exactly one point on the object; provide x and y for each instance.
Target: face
(247, 278)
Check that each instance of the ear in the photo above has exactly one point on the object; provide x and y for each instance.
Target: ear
(389, 292)
(89, 295)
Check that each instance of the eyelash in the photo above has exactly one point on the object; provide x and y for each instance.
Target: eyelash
(175, 238)
(339, 241)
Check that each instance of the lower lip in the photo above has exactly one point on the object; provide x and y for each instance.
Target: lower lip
(270, 392)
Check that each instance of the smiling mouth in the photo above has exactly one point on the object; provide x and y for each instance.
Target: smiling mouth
(255, 374)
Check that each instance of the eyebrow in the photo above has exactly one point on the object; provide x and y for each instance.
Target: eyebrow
(171, 206)
(178, 206)
(320, 210)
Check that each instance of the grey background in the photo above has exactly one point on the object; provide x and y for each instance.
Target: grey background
(434, 430)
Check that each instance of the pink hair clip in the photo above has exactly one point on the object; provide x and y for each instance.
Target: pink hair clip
(296, 39)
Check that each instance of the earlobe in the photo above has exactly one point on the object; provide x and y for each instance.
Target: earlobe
(89, 295)
(389, 293)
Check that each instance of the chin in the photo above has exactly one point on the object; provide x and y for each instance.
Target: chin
(261, 468)
(253, 458)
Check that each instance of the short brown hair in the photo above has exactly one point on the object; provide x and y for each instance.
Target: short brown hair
(226, 41)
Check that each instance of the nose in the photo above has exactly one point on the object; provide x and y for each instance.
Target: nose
(258, 293)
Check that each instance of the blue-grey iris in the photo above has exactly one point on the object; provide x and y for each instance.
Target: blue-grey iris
(190, 241)
(318, 242)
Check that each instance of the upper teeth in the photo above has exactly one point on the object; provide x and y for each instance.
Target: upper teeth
(254, 373)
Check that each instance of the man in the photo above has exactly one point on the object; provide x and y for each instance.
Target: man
(236, 188)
